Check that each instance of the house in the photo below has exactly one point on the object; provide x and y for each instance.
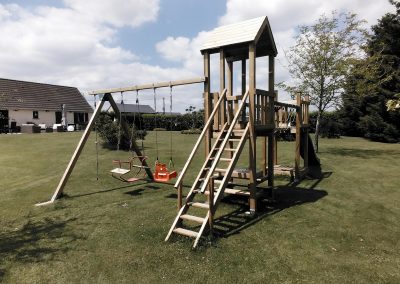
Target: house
(135, 109)
(24, 102)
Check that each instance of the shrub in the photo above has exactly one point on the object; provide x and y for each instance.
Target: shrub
(191, 131)
(108, 130)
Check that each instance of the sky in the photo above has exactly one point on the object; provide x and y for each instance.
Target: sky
(96, 44)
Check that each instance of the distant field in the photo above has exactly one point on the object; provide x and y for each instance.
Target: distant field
(343, 228)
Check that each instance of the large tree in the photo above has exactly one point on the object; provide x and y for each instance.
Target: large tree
(374, 84)
(321, 58)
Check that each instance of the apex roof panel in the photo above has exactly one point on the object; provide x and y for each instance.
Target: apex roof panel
(243, 32)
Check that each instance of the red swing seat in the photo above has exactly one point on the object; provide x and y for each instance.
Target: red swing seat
(162, 174)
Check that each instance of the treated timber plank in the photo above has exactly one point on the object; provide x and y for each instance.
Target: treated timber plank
(185, 232)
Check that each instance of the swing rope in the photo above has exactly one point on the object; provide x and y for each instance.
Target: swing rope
(96, 143)
(155, 122)
(171, 162)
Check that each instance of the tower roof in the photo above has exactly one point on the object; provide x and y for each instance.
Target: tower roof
(234, 39)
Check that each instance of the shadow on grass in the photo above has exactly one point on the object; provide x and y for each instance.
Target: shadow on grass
(359, 153)
(139, 183)
(286, 196)
(35, 242)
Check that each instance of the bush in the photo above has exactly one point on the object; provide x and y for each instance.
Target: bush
(330, 125)
(191, 131)
(108, 130)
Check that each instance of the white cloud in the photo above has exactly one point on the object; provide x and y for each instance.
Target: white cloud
(285, 17)
(174, 49)
(117, 12)
(76, 44)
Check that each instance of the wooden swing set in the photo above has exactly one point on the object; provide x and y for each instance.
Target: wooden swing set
(139, 161)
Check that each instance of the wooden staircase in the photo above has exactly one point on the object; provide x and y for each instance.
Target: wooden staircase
(198, 209)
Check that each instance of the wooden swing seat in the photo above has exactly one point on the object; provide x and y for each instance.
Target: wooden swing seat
(162, 174)
(125, 167)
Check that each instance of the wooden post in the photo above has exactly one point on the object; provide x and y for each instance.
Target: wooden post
(252, 136)
(230, 90)
(222, 85)
(271, 136)
(298, 137)
(305, 133)
(243, 86)
(207, 101)
(60, 188)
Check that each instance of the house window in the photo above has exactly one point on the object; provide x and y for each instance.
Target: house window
(35, 114)
(81, 117)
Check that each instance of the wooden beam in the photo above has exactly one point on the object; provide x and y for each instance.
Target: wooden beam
(298, 138)
(243, 85)
(150, 86)
(271, 114)
(222, 112)
(207, 101)
(252, 136)
(75, 156)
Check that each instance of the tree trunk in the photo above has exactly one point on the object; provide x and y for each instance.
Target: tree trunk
(317, 131)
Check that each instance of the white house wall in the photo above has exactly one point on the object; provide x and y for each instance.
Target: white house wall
(45, 117)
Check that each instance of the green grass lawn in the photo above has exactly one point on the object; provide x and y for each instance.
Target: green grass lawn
(343, 228)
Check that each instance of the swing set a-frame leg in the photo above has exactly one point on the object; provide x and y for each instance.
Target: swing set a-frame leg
(60, 188)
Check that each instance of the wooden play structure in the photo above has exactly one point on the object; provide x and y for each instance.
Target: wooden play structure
(231, 121)
(251, 118)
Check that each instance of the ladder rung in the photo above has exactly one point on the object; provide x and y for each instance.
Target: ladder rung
(199, 205)
(225, 159)
(220, 170)
(236, 191)
(185, 232)
(192, 218)
(234, 139)
(208, 192)
(218, 181)
(230, 149)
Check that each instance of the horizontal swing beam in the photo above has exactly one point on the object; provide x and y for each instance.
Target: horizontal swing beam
(150, 86)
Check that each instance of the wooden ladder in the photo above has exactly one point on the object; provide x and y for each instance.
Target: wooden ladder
(209, 186)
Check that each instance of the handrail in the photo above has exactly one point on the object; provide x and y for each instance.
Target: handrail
(196, 146)
(222, 146)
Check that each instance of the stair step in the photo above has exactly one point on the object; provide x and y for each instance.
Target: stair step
(199, 205)
(192, 218)
(236, 191)
(207, 193)
(185, 232)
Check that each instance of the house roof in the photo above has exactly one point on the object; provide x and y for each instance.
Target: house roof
(134, 108)
(234, 38)
(16, 94)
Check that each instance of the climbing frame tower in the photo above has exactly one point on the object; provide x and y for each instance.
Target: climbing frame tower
(232, 121)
